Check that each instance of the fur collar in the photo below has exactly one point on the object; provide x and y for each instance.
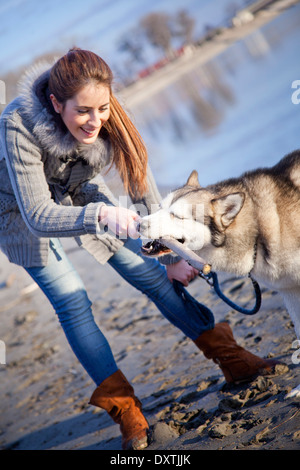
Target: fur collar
(47, 125)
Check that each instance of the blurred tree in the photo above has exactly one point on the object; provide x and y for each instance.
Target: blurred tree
(132, 43)
(160, 30)
(183, 27)
(157, 27)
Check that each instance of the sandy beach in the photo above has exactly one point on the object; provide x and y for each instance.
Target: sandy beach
(189, 406)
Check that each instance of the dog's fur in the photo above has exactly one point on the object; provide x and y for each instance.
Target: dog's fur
(241, 225)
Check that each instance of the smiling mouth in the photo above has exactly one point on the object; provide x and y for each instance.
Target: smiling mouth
(89, 133)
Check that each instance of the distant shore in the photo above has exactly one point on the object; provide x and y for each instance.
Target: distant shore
(144, 88)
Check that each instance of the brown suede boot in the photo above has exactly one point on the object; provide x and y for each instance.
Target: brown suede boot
(237, 364)
(116, 396)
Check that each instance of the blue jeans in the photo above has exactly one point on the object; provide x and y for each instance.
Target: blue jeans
(65, 290)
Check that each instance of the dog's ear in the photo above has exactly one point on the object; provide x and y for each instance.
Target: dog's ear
(193, 180)
(226, 208)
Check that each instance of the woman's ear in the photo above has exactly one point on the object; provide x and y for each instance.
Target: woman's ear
(56, 104)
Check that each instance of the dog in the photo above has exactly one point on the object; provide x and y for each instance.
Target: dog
(249, 224)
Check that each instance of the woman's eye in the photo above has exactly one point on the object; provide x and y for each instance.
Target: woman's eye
(84, 111)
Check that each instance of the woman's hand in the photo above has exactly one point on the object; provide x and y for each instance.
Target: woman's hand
(182, 272)
(121, 221)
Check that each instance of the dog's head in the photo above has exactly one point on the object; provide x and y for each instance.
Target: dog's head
(195, 216)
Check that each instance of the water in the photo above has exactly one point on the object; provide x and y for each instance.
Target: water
(30, 28)
(231, 115)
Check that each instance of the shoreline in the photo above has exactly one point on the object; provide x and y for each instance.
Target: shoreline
(144, 88)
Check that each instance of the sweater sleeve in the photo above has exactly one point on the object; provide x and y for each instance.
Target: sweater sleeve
(42, 215)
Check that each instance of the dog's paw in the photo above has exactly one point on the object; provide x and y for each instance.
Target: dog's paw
(295, 393)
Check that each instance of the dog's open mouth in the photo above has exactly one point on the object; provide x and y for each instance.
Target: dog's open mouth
(156, 248)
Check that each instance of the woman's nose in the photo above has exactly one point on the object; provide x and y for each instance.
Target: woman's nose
(94, 119)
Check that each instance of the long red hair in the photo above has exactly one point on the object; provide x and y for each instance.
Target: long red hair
(67, 77)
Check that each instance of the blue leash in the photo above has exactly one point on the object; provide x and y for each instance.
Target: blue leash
(212, 280)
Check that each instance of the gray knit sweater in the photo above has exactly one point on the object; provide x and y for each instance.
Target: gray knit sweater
(50, 185)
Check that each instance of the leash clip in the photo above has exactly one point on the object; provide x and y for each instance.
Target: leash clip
(207, 277)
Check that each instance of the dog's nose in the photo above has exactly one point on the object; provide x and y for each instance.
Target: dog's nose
(142, 226)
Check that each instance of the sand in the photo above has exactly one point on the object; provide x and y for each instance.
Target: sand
(189, 406)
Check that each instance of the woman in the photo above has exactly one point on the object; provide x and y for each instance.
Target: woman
(56, 138)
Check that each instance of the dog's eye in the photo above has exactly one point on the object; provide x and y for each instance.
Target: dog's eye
(176, 216)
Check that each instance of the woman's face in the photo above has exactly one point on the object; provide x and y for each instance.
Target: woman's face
(86, 112)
